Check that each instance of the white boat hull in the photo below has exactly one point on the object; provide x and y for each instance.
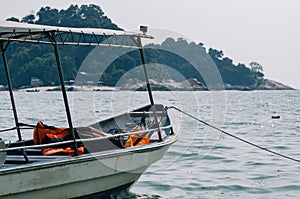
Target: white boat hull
(81, 176)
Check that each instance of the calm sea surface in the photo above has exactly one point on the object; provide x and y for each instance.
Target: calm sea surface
(203, 163)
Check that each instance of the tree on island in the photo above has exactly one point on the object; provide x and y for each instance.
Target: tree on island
(256, 68)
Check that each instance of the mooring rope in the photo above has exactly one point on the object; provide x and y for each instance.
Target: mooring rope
(9, 129)
(231, 135)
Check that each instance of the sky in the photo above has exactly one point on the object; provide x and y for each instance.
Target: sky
(265, 31)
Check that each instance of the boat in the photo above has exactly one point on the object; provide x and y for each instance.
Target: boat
(33, 90)
(96, 159)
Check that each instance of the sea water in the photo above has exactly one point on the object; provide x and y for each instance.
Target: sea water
(203, 163)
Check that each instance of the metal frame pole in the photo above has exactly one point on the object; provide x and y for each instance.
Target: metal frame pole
(63, 89)
(12, 99)
(148, 85)
(10, 89)
(146, 76)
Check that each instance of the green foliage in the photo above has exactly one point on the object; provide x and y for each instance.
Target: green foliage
(13, 19)
(85, 16)
(26, 61)
(256, 68)
(28, 19)
(231, 73)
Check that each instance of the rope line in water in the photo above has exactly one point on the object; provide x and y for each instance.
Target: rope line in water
(236, 137)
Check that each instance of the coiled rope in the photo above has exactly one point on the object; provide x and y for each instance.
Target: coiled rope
(231, 135)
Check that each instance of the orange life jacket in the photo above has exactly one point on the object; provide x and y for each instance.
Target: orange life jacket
(133, 138)
(61, 151)
(43, 131)
(44, 134)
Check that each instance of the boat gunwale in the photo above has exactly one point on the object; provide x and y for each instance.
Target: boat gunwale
(64, 160)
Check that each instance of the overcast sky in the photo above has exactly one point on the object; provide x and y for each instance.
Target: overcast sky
(265, 31)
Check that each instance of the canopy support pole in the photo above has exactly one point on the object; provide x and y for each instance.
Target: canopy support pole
(11, 95)
(63, 89)
(139, 42)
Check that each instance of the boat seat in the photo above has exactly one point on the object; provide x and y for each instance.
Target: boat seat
(27, 151)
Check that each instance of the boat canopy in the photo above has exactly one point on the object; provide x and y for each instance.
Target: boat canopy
(15, 32)
(33, 33)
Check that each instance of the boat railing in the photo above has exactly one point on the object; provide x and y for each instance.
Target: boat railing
(143, 132)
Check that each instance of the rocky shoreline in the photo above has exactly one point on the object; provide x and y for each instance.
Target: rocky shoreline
(170, 85)
(194, 85)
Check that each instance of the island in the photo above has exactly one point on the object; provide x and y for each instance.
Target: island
(32, 67)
